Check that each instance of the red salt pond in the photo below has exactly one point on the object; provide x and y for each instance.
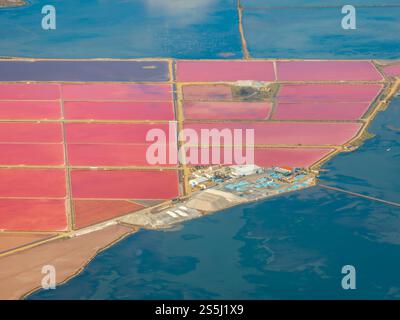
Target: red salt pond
(117, 92)
(33, 215)
(329, 92)
(31, 132)
(289, 133)
(227, 110)
(320, 111)
(31, 154)
(119, 110)
(108, 155)
(26, 183)
(207, 92)
(111, 133)
(88, 212)
(220, 70)
(25, 91)
(292, 157)
(327, 71)
(393, 70)
(30, 110)
(124, 184)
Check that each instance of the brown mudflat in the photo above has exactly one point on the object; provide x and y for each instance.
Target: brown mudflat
(11, 3)
(22, 272)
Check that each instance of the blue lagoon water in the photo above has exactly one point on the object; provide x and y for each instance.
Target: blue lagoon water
(201, 29)
(292, 246)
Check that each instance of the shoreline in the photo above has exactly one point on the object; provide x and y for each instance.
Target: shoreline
(82, 246)
(133, 229)
(257, 186)
(381, 102)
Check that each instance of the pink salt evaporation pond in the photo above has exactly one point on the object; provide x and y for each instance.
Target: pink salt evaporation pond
(30, 110)
(289, 133)
(30, 132)
(321, 111)
(116, 92)
(109, 155)
(292, 157)
(121, 110)
(327, 71)
(124, 184)
(33, 214)
(29, 91)
(329, 92)
(219, 70)
(227, 110)
(111, 132)
(31, 154)
(30, 183)
(264, 157)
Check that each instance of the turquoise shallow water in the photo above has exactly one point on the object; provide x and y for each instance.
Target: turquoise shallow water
(123, 29)
(293, 246)
(317, 33)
